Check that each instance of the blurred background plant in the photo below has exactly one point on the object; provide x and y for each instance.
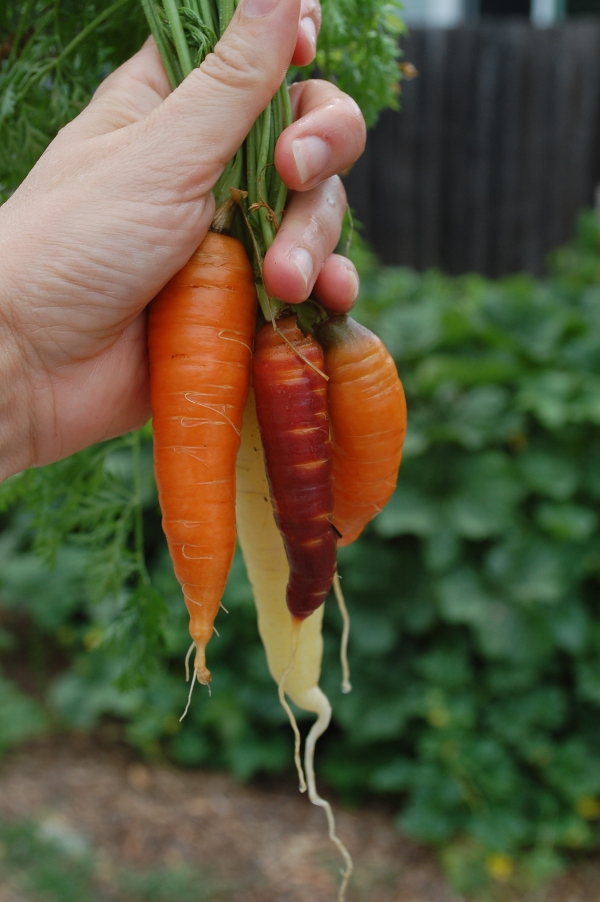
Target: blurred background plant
(476, 627)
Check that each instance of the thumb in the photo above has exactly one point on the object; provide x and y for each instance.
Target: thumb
(197, 129)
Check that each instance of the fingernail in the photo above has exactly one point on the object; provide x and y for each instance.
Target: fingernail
(254, 9)
(312, 155)
(303, 262)
(353, 281)
(310, 31)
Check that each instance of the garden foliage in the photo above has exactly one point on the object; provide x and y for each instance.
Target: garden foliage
(474, 595)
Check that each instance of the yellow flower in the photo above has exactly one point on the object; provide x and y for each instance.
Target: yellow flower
(93, 638)
(588, 807)
(501, 867)
(438, 716)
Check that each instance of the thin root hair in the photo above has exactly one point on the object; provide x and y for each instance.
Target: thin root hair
(339, 597)
(317, 729)
(284, 704)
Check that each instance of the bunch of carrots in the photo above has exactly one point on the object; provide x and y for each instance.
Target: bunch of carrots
(293, 432)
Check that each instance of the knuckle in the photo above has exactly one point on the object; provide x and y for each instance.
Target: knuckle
(327, 214)
(348, 113)
(338, 193)
(231, 65)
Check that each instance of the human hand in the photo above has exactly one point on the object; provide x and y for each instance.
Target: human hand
(119, 202)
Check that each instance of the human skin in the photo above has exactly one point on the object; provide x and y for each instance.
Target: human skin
(121, 199)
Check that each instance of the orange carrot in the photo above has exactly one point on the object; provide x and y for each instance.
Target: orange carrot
(367, 411)
(200, 333)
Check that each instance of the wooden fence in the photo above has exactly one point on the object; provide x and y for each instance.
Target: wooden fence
(495, 151)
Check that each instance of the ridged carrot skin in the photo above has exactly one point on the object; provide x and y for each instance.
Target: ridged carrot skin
(367, 411)
(200, 333)
(291, 405)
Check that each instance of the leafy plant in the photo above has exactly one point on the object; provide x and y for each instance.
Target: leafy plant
(52, 863)
(52, 58)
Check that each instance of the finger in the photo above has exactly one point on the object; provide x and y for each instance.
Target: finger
(308, 30)
(309, 233)
(199, 127)
(328, 136)
(337, 284)
(127, 95)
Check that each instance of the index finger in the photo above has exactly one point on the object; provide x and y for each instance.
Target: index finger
(329, 135)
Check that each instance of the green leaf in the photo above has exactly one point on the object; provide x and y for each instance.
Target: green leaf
(529, 569)
(409, 331)
(500, 630)
(372, 633)
(358, 49)
(502, 829)
(489, 494)
(567, 522)
(467, 370)
(462, 598)
(406, 513)
(80, 699)
(569, 623)
(548, 473)
(446, 666)
(393, 777)
(442, 548)
(548, 396)
(20, 716)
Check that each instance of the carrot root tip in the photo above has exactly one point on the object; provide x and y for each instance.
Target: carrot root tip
(296, 624)
(339, 596)
(189, 700)
(187, 661)
(201, 671)
(323, 711)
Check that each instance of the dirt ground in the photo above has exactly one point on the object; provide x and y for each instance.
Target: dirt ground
(266, 843)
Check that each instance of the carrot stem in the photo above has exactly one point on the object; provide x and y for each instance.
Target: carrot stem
(138, 511)
(226, 9)
(264, 158)
(206, 13)
(181, 45)
(169, 59)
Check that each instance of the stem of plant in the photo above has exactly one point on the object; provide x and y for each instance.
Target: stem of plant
(138, 509)
(181, 45)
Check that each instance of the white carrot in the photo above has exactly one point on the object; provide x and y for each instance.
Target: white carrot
(297, 671)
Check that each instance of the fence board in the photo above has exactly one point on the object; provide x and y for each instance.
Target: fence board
(495, 151)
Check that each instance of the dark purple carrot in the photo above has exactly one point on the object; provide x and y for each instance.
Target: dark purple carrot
(291, 406)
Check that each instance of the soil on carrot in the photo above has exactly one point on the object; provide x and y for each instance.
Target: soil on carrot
(128, 831)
